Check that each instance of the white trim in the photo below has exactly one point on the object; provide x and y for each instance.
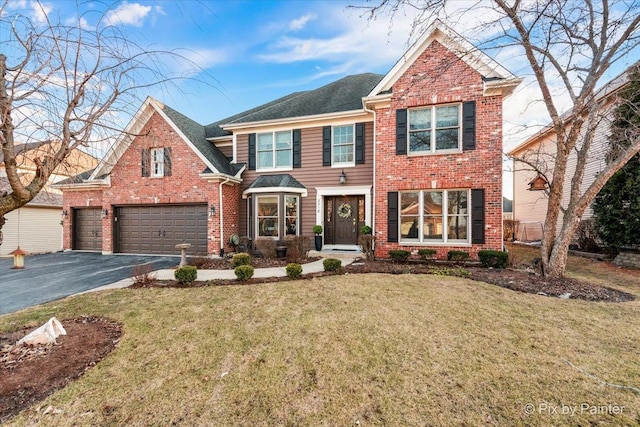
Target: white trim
(257, 219)
(297, 122)
(352, 163)
(432, 137)
(234, 141)
(301, 191)
(274, 151)
(351, 190)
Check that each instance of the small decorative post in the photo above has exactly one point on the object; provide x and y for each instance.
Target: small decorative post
(18, 258)
(183, 252)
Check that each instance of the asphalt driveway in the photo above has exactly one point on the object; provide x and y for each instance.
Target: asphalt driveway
(52, 276)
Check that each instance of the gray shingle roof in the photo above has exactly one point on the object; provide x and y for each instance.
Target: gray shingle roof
(281, 180)
(343, 95)
(196, 134)
(77, 179)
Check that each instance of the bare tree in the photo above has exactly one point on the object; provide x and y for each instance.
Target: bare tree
(68, 84)
(568, 45)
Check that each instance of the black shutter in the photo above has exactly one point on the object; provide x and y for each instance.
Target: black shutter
(297, 147)
(167, 161)
(326, 146)
(252, 151)
(477, 216)
(359, 143)
(401, 131)
(392, 217)
(469, 125)
(146, 161)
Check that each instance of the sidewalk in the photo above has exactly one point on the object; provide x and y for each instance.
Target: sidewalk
(205, 275)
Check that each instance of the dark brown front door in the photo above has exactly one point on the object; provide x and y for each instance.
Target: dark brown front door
(342, 219)
(87, 229)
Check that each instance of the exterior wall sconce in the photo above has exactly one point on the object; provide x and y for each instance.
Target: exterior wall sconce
(104, 213)
(212, 211)
(343, 177)
(64, 214)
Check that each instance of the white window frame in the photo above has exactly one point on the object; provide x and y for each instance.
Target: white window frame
(157, 162)
(274, 152)
(433, 129)
(258, 216)
(445, 219)
(286, 217)
(353, 146)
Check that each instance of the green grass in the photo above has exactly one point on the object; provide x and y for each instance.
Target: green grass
(349, 350)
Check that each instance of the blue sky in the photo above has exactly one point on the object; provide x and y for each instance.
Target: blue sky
(252, 52)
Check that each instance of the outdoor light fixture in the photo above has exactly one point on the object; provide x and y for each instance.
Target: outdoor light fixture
(343, 177)
(104, 213)
(64, 214)
(212, 211)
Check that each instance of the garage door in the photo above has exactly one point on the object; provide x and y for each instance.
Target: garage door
(87, 229)
(158, 229)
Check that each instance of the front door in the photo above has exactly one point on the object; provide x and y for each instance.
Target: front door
(342, 219)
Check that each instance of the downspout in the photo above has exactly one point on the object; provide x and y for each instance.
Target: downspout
(373, 195)
(222, 216)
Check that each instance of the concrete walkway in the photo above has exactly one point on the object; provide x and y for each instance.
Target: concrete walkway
(206, 275)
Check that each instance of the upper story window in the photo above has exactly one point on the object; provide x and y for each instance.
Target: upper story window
(274, 150)
(157, 162)
(435, 216)
(435, 129)
(343, 145)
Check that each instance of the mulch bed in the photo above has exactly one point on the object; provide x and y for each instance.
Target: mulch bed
(31, 373)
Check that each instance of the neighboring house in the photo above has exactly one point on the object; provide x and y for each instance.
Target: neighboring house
(415, 153)
(36, 227)
(530, 187)
(507, 208)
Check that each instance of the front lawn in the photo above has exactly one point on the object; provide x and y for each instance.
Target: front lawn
(352, 350)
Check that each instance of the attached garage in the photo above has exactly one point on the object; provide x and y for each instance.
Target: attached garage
(87, 229)
(158, 229)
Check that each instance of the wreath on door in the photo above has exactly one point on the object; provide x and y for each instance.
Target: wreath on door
(344, 211)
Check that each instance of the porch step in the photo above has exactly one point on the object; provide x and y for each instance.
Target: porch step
(337, 253)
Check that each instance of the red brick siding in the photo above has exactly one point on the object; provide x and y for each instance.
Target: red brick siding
(439, 77)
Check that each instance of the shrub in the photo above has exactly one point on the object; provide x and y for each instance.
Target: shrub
(267, 247)
(297, 247)
(587, 236)
(509, 228)
(294, 271)
(143, 274)
(242, 258)
(243, 272)
(399, 255)
(317, 229)
(458, 256)
(490, 258)
(427, 254)
(331, 264)
(186, 274)
(366, 242)
(365, 229)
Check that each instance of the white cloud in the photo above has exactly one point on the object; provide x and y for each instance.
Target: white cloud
(40, 12)
(204, 58)
(299, 23)
(128, 14)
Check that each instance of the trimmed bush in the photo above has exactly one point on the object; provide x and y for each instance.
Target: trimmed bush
(427, 254)
(490, 258)
(457, 256)
(365, 229)
(294, 270)
(243, 272)
(399, 255)
(267, 247)
(242, 258)
(331, 264)
(186, 274)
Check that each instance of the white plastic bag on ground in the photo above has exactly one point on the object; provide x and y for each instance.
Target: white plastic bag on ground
(45, 334)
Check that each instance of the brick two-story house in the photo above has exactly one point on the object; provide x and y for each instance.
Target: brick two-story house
(416, 154)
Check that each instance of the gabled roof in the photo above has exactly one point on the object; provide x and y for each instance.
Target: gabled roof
(275, 183)
(340, 96)
(495, 76)
(192, 133)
